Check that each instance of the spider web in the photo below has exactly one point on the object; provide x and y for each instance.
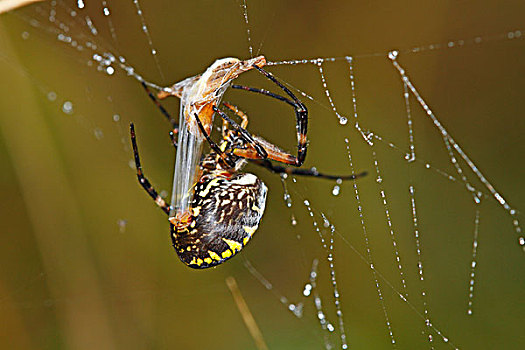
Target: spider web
(425, 252)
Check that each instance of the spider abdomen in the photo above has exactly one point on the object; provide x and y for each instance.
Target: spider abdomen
(225, 213)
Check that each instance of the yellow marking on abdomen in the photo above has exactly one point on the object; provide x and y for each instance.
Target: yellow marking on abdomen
(196, 211)
(234, 245)
(205, 192)
(250, 230)
(226, 254)
(214, 255)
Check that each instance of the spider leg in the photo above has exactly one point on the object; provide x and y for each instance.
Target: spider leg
(264, 92)
(301, 112)
(238, 112)
(256, 145)
(245, 135)
(163, 111)
(140, 176)
(213, 145)
(305, 172)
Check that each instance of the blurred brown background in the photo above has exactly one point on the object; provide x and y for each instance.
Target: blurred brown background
(86, 259)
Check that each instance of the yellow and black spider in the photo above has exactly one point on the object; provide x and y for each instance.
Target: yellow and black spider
(227, 204)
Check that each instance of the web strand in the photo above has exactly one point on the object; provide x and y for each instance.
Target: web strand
(452, 144)
(473, 265)
(244, 7)
(145, 29)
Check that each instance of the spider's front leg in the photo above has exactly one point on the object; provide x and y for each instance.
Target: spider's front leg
(175, 126)
(306, 172)
(257, 147)
(301, 116)
(143, 181)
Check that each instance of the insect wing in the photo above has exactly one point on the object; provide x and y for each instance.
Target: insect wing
(188, 156)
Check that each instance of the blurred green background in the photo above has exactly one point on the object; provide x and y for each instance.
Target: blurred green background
(85, 256)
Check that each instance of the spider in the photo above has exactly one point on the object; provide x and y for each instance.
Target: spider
(227, 204)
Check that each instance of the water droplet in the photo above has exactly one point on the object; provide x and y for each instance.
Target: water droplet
(288, 199)
(294, 221)
(343, 120)
(110, 70)
(98, 133)
(297, 309)
(67, 107)
(116, 118)
(106, 11)
(51, 96)
(393, 54)
(122, 225)
(80, 4)
(335, 190)
(307, 289)
(25, 35)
